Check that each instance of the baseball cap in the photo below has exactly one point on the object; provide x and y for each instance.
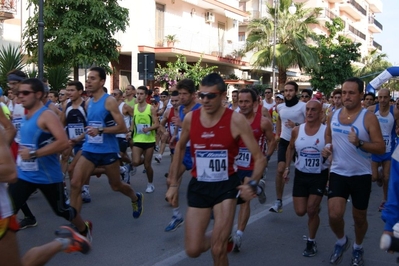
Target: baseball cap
(318, 95)
(280, 96)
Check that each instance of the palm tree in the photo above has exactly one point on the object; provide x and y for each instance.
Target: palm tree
(293, 34)
(374, 63)
(10, 58)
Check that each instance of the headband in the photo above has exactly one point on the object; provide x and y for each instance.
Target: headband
(13, 77)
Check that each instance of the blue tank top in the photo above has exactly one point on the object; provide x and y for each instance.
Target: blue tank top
(181, 116)
(42, 170)
(98, 116)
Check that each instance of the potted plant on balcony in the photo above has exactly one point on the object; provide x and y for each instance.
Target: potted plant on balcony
(238, 54)
(171, 39)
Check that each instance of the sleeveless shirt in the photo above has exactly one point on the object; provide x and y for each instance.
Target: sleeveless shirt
(213, 149)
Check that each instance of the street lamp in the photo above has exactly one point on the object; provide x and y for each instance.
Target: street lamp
(292, 11)
(40, 40)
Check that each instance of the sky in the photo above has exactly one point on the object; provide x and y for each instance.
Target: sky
(389, 38)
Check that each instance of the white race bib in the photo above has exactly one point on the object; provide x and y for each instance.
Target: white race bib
(75, 130)
(243, 158)
(310, 159)
(140, 128)
(212, 165)
(95, 139)
(387, 140)
(28, 165)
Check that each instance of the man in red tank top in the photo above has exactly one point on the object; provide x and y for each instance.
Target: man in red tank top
(214, 132)
(262, 129)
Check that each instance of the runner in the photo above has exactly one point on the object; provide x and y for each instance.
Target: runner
(262, 129)
(213, 131)
(101, 147)
(311, 170)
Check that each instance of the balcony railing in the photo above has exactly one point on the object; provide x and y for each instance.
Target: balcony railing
(358, 7)
(8, 6)
(375, 22)
(377, 45)
(7, 9)
(357, 32)
(327, 13)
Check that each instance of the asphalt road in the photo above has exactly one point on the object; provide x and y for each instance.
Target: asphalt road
(270, 239)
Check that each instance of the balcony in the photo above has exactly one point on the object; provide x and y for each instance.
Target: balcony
(374, 25)
(375, 5)
(354, 9)
(327, 15)
(377, 45)
(334, 1)
(355, 34)
(7, 9)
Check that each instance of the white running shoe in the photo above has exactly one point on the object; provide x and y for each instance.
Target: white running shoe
(150, 188)
(158, 158)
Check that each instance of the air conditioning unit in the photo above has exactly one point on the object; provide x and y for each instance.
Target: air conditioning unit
(244, 75)
(209, 17)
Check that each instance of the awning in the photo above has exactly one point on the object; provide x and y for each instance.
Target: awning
(232, 15)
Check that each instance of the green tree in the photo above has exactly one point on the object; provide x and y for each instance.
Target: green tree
(58, 76)
(77, 33)
(10, 59)
(336, 53)
(292, 36)
(180, 69)
(374, 63)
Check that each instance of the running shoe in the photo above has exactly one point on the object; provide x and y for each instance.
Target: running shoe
(158, 158)
(78, 243)
(27, 222)
(262, 194)
(144, 171)
(336, 256)
(150, 188)
(230, 244)
(89, 234)
(357, 257)
(156, 148)
(174, 224)
(67, 201)
(277, 207)
(138, 205)
(125, 173)
(311, 249)
(382, 206)
(86, 196)
(237, 243)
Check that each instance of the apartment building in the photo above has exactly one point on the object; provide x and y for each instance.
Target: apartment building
(203, 28)
(358, 16)
(211, 29)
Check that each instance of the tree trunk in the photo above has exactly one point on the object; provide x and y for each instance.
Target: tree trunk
(282, 78)
(75, 73)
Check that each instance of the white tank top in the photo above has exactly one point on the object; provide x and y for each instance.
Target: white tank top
(17, 116)
(347, 159)
(126, 119)
(387, 125)
(6, 209)
(309, 150)
(296, 114)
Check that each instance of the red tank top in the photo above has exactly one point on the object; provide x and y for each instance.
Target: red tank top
(244, 160)
(171, 125)
(259, 110)
(213, 149)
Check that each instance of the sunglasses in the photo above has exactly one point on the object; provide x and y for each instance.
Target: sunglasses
(209, 95)
(304, 96)
(114, 94)
(61, 94)
(24, 93)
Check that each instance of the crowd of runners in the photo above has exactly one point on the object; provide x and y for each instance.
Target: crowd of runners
(55, 142)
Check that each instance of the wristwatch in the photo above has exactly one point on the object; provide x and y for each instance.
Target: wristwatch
(361, 143)
(297, 124)
(32, 155)
(253, 185)
(100, 130)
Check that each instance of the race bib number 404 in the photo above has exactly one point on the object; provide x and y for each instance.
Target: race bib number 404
(212, 165)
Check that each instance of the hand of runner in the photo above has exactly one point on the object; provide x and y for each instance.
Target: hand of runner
(352, 137)
(246, 192)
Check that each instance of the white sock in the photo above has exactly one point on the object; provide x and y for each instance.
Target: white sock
(357, 247)
(239, 233)
(341, 241)
(64, 242)
(310, 239)
(176, 213)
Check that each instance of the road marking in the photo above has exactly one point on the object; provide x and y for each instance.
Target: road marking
(178, 257)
